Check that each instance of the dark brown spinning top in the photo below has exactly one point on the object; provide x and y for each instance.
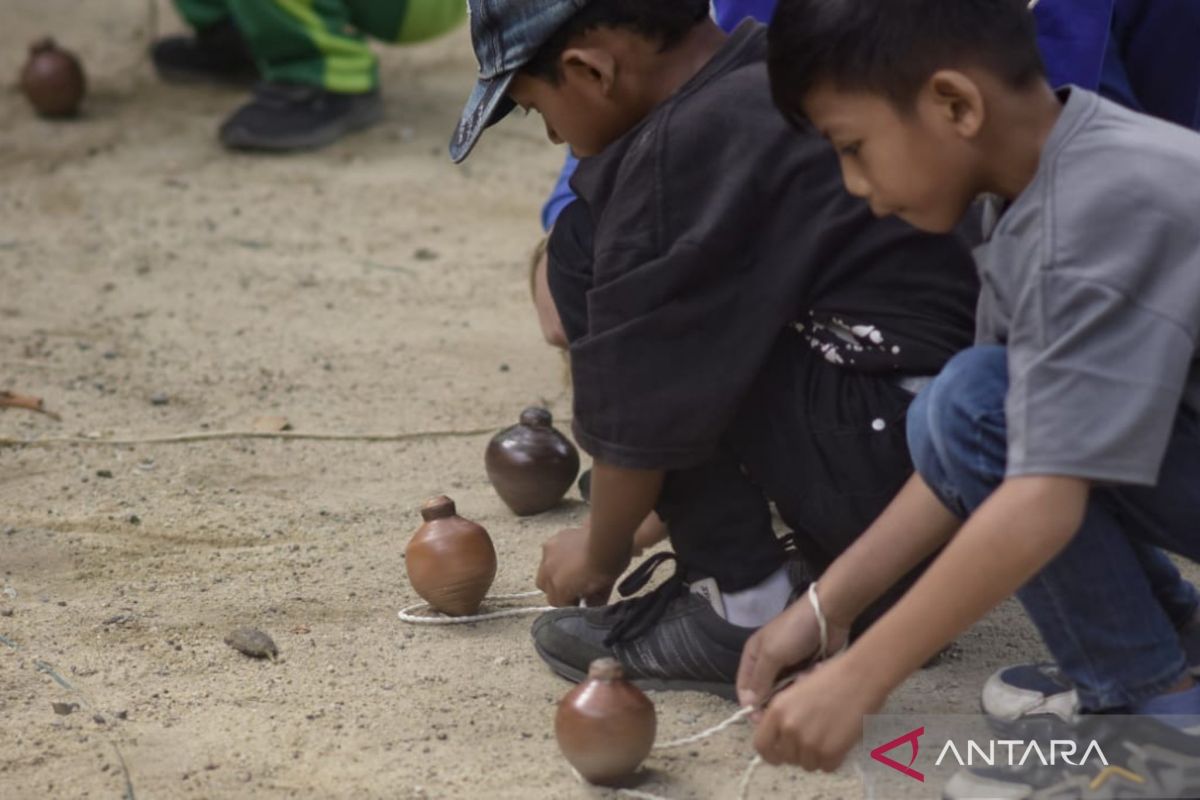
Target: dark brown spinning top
(53, 80)
(450, 560)
(531, 465)
(605, 726)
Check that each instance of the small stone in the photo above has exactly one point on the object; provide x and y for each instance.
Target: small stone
(425, 254)
(99, 720)
(62, 709)
(104, 473)
(134, 519)
(6, 612)
(159, 399)
(504, 367)
(252, 642)
(122, 714)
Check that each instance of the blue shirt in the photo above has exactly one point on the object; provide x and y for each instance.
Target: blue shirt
(1140, 53)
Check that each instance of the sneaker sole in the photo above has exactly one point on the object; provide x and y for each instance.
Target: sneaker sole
(237, 139)
(725, 691)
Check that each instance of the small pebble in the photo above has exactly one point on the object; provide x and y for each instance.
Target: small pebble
(62, 709)
(134, 519)
(104, 473)
(159, 399)
(252, 642)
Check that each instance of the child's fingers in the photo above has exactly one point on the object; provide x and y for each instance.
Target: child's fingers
(751, 687)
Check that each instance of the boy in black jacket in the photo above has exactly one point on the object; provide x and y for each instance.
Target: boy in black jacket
(740, 328)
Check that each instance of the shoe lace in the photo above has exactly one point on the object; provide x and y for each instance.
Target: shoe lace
(635, 617)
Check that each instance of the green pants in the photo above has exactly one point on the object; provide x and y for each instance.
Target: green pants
(323, 42)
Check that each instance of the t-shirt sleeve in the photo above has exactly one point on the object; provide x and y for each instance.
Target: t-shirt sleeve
(1096, 375)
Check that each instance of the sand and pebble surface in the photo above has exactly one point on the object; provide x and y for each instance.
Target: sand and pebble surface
(152, 285)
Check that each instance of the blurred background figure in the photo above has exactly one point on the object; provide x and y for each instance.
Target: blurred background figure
(317, 77)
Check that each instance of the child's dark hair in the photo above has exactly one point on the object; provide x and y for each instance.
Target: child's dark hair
(891, 47)
(665, 21)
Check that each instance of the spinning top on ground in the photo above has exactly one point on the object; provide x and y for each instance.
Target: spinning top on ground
(450, 560)
(605, 726)
(531, 464)
(52, 80)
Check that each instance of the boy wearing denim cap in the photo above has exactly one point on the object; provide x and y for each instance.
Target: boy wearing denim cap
(740, 328)
(1056, 456)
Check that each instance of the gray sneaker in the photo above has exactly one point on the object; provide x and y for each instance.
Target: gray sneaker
(673, 638)
(1143, 757)
(1024, 691)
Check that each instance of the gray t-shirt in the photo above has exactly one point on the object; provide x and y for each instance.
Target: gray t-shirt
(1091, 278)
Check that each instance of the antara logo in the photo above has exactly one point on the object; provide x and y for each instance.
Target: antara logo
(912, 738)
(1005, 752)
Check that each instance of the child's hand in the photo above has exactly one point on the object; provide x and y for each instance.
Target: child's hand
(815, 722)
(565, 574)
(785, 642)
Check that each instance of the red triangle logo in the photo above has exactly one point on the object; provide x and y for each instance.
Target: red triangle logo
(911, 738)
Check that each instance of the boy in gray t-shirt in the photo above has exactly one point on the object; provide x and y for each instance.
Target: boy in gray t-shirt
(1056, 457)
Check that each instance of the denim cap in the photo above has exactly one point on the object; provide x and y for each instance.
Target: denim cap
(506, 35)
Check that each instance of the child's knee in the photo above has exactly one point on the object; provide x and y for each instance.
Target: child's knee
(944, 419)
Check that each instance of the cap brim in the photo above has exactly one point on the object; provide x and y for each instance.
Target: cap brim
(488, 104)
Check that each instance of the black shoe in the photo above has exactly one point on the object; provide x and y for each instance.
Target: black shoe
(218, 54)
(1134, 757)
(672, 638)
(284, 117)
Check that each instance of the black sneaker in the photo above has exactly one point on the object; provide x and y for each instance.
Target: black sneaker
(1024, 691)
(673, 638)
(217, 54)
(1135, 757)
(285, 117)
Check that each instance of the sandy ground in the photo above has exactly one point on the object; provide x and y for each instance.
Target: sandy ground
(370, 288)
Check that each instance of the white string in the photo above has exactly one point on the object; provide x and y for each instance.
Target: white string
(741, 714)
(406, 614)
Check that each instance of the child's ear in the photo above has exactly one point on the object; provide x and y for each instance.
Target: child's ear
(591, 66)
(957, 101)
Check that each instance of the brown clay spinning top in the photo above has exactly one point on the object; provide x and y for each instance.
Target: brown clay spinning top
(450, 560)
(605, 726)
(531, 465)
(52, 80)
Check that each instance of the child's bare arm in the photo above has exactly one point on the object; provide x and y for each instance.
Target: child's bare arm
(1009, 539)
(584, 564)
(913, 526)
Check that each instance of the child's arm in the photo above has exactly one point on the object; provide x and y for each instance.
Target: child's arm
(913, 526)
(1009, 539)
(584, 564)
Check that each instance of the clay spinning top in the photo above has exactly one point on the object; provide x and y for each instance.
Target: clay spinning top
(52, 80)
(450, 560)
(531, 464)
(605, 726)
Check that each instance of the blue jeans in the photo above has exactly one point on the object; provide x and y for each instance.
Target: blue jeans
(1110, 605)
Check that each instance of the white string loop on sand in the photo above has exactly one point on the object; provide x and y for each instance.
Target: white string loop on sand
(407, 614)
